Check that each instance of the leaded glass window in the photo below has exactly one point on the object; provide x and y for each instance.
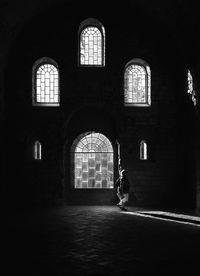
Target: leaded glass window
(92, 43)
(46, 84)
(37, 151)
(143, 150)
(92, 156)
(137, 84)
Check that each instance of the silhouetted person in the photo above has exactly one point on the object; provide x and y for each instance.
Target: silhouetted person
(118, 189)
(123, 187)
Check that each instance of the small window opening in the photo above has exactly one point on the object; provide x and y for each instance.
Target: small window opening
(143, 150)
(37, 151)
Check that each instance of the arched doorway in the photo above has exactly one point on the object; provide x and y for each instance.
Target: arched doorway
(92, 162)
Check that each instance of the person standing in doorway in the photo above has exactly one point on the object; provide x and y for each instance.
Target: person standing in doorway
(118, 189)
(123, 187)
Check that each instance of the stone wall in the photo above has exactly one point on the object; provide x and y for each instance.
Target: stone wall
(92, 99)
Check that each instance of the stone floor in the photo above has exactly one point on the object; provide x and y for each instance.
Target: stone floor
(99, 240)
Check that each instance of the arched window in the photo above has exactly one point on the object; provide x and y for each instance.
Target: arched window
(45, 83)
(137, 83)
(91, 43)
(143, 150)
(92, 160)
(37, 151)
(190, 88)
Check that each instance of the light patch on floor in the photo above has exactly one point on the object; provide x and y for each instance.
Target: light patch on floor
(168, 216)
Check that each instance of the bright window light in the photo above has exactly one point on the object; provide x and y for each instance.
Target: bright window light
(190, 88)
(92, 156)
(37, 151)
(143, 150)
(91, 46)
(47, 84)
(137, 83)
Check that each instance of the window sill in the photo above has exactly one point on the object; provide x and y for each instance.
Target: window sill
(137, 105)
(46, 104)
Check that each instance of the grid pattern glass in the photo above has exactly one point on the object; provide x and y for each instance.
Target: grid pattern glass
(37, 151)
(91, 46)
(47, 84)
(135, 84)
(93, 162)
(143, 150)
